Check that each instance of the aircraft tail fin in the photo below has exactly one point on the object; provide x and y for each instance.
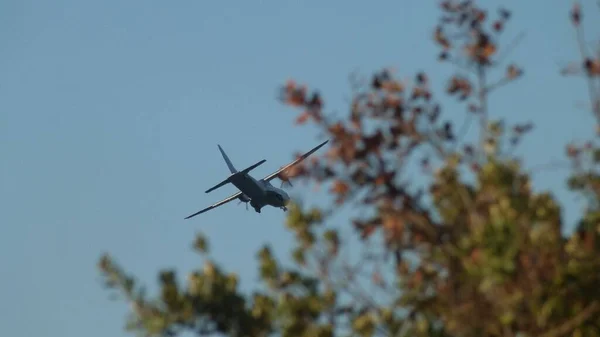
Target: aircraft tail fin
(227, 161)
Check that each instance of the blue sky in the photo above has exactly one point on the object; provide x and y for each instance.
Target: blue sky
(110, 112)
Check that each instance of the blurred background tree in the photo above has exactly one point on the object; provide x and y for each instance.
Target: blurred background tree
(467, 248)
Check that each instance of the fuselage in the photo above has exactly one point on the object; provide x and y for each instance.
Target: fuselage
(260, 192)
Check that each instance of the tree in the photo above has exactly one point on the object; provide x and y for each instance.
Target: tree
(473, 250)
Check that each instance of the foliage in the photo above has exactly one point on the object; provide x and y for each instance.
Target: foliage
(470, 250)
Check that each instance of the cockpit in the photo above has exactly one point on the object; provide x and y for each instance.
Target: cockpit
(277, 194)
(282, 197)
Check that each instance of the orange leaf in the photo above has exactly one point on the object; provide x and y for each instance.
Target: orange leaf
(417, 278)
(394, 227)
(367, 231)
(489, 50)
(340, 187)
(303, 118)
(481, 15)
(513, 72)
(440, 38)
(295, 99)
(379, 180)
(592, 67)
(476, 255)
(393, 86)
(290, 85)
(337, 130)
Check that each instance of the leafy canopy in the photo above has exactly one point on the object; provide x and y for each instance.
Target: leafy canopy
(468, 249)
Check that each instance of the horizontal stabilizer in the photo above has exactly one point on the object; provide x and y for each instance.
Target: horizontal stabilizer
(228, 180)
(224, 182)
(246, 170)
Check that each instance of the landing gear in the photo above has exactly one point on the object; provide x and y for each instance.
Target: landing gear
(256, 207)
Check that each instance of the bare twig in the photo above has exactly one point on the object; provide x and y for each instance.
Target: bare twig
(464, 128)
(483, 110)
(550, 165)
(571, 324)
(593, 93)
(501, 82)
(513, 44)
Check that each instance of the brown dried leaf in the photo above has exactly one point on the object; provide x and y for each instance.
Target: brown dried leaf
(384, 178)
(290, 85)
(340, 187)
(315, 101)
(469, 150)
(373, 142)
(592, 67)
(440, 38)
(522, 128)
(419, 92)
(498, 25)
(504, 14)
(360, 178)
(417, 279)
(461, 86)
(572, 151)
(480, 15)
(513, 72)
(473, 108)
(476, 255)
(576, 14)
(337, 130)
(392, 101)
(488, 50)
(394, 228)
(393, 86)
(482, 50)
(367, 231)
(366, 228)
(296, 98)
(302, 118)
(377, 278)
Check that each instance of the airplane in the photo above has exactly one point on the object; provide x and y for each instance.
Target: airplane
(258, 193)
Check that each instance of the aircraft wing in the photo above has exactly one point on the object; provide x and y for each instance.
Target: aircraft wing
(222, 202)
(301, 158)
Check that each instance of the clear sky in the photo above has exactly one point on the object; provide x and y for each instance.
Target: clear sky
(110, 112)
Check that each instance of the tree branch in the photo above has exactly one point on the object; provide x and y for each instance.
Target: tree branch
(571, 324)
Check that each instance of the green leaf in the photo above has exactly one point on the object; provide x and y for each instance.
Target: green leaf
(507, 318)
(596, 155)
(364, 325)
(299, 255)
(201, 244)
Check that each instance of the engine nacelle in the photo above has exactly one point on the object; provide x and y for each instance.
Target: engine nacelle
(243, 198)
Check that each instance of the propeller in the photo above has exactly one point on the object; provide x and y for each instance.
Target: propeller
(239, 202)
(289, 182)
(243, 198)
(284, 179)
